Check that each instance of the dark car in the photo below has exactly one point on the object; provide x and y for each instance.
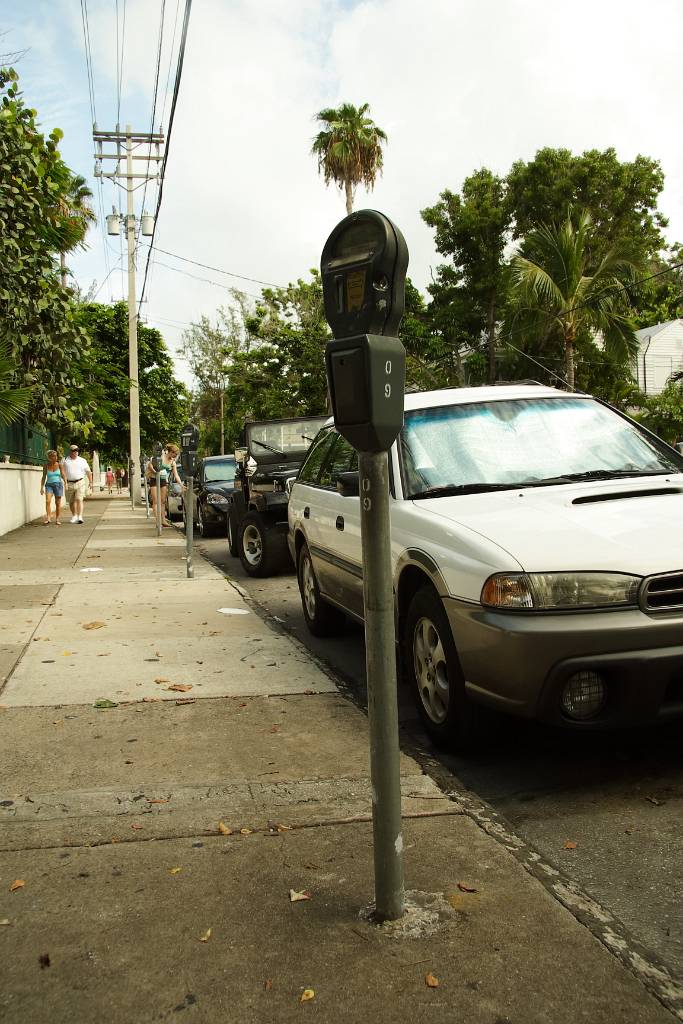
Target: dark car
(214, 483)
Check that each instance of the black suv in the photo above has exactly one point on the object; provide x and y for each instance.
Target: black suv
(214, 483)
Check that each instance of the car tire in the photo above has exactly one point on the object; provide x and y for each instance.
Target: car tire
(262, 549)
(432, 669)
(233, 544)
(322, 619)
(203, 528)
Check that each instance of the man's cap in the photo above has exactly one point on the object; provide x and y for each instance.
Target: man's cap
(73, 448)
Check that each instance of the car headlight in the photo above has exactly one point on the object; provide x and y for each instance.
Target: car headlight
(559, 591)
(217, 499)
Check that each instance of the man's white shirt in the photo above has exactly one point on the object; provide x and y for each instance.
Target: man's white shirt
(75, 469)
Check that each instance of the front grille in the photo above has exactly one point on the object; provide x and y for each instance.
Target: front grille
(662, 593)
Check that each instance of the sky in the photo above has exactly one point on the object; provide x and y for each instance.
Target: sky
(455, 84)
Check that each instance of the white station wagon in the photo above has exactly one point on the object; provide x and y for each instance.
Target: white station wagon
(537, 549)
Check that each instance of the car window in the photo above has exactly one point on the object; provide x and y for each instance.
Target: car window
(309, 472)
(219, 472)
(342, 458)
(525, 442)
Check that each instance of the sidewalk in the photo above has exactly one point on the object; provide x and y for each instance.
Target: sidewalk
(173, 768)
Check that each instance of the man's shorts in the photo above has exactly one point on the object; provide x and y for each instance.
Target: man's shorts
(56, 488)
(77, 489)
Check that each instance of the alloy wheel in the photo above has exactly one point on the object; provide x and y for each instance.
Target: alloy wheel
(252, 544)
(431, 670)
(308, 586)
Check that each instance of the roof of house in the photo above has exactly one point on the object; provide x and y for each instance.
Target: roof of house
(650, 332)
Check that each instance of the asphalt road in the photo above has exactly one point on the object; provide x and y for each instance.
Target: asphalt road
(618, 797)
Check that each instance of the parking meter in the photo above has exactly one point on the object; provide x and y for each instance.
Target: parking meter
(156, 456)
(363, 268)
(143, 476)
(189, 443)
(156, 465)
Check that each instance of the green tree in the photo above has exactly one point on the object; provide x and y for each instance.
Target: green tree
(14, 401)
(473, 228)
(349, 148)
(663, 413)
(557, 290)
(282, 373)
(210, 349)
(621, 197)
(37, 316)
(77, 215)
(163, 399)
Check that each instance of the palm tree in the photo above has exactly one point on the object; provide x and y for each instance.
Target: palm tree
(13, 401)
(553, 288)
(77, 214)
(349, 148)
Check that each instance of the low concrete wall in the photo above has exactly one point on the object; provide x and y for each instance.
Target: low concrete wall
(20, 497)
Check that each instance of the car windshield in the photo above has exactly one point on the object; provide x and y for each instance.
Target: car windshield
(524, 442)
(219, 471)
(282, 438)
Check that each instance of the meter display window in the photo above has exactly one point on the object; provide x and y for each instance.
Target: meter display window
(310, 470)
(358, 241)
(342, 459)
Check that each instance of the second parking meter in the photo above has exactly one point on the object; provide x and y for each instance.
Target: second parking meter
(363, 268)
(189, 443)
(157, 457)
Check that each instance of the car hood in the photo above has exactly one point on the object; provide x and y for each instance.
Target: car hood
(622, 525)
(219, 487)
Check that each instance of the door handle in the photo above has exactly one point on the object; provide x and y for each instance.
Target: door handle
(340, 522)
(307, 512)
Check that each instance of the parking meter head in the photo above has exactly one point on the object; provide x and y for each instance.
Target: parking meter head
(156, 456)
(363, 268)
(189, 443)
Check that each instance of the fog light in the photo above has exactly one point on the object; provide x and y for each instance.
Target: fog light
(583, 696)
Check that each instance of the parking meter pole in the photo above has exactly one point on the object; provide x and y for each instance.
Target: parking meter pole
(131, 468)
(189, 526)
(380, 659)
(146, 490)
(158, 487)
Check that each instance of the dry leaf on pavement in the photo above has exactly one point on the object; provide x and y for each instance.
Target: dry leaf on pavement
(570, 845)
(654, 800)
(206, 936)
(306, 995)
(104, 703)
(246, 831)
(93, 625)
(223, 829)
(431, 981)
(464, 887)
(161, 679)
(295, 897)
(174, 871)
(137, 827)
(180, 687)
(18, 883)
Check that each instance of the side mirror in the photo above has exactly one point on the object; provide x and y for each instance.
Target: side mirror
(250, 466)
(348, 484)
(241, 454)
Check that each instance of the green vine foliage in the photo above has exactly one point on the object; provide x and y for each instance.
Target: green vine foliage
(37, 315)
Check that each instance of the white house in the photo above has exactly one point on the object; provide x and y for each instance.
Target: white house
(660, 353)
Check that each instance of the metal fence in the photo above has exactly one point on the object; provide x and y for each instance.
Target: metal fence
(25, 442)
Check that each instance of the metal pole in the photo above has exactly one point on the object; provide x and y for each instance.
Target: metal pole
(131, 473)
(189, 526)
(380, 660)
(135, 495)
(146, 490)
(158, 487)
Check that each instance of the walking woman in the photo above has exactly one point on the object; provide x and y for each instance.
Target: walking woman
(52, 483)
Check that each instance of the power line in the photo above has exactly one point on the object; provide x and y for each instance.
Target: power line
(217, 270)
(88, 58)
(160, 43)
(170, 60)
(186, 273)
(176, 89)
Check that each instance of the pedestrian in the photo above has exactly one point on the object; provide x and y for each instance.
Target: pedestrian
(52, 484)
(109, 477)
(119, 478)
(169, 471)
(78, 478)
(124, 478)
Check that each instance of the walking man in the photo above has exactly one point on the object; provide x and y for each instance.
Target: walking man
(78, 478)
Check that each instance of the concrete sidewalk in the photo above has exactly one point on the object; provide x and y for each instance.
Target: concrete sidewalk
(174, 769)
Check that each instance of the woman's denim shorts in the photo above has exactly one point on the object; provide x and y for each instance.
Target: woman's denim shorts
(56, 488)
